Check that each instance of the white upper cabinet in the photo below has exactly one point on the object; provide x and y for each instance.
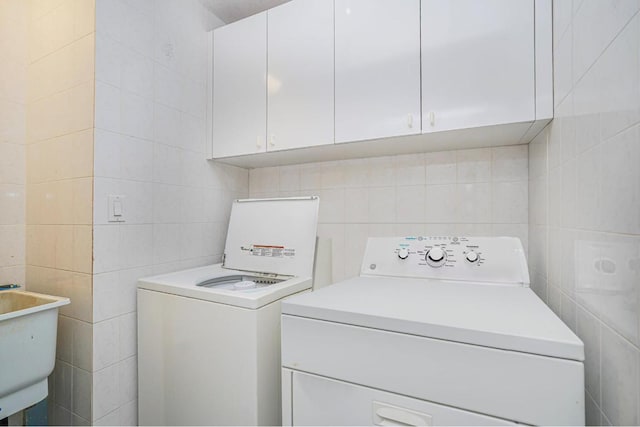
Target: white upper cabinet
(292, 84)
(300, 75)
(240, 88)
(377, 68)
(478, 64)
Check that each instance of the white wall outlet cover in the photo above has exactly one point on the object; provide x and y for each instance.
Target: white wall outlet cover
(116, 208)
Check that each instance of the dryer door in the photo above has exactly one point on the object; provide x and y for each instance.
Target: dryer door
(322, 401)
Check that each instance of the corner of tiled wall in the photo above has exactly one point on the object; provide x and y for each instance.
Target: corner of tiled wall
(584, 199)
(13, 65)
(150, 123)
(59, 176)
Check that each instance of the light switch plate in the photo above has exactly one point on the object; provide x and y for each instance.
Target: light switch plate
(116, 208)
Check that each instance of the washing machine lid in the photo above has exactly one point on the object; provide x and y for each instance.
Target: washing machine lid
(276, 236)
(192, 283)
(489, 315)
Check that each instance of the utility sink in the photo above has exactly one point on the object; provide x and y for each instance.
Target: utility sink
(28, 327)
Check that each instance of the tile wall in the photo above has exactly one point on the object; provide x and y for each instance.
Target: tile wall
(59, 153)
(13, 66)
(480, 192)
(584, 199)
(150, 121)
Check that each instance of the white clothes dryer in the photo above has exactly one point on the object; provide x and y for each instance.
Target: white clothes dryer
(434, 331)
(209, 337)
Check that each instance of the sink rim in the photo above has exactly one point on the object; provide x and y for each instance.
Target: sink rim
(53, 302)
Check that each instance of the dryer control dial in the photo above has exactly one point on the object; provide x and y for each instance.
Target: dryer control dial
(403, 253)
(436, 256)
(472, 256)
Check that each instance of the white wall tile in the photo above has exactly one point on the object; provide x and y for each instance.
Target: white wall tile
(105, 296)
(167, 203)
(166, 243)
(441, 167)
(107, 107)
(12, 199)
(474, 203)
(509, 202)
(310, 176)
(410, 203)
(618, 69)
(137, 29)
(588, 329)
(105, 391)
(382, 204)
(620, 361)
(380, 172)
(593, 415)
(135, 159)
(510, 163)
(589, 40)
(356, 173)
(356, 205)
(331, 174)
(106, 248)
(128, 413)
(105, 343)
(355, 241)
(63, 380)
(136, 115)
(589, 193)
(474, 165)
(332, 206)
(336, 233)
(127, 381)
(562, 13)
(137, 201)
(109, 53)
(266, 179)
(12, 163)
(167, 165)
(620, 199)
(107, 148)
(441, 203)
(82, 386)
(289, 179)
(135, 71)
(167, 125)
(136, 246)
(410, 169)
(127, 343)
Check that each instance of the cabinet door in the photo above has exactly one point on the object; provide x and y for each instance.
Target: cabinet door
(239, 87)
(477, 63)
(377, 68)
(300, 75)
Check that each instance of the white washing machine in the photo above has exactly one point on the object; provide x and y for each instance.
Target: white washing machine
(434, 331)
(209, 337)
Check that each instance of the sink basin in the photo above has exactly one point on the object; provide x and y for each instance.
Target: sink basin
(28, 326)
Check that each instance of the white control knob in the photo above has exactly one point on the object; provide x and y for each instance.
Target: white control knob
(403, 253)
(436, 257)
(472, 256)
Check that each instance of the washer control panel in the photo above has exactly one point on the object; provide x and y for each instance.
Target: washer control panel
(487, 259)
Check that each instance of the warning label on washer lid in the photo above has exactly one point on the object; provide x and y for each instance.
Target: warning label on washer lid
(271, 251)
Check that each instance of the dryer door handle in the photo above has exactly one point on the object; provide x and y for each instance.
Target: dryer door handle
(390, 415)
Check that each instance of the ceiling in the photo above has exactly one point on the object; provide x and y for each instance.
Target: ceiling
(233, 10)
